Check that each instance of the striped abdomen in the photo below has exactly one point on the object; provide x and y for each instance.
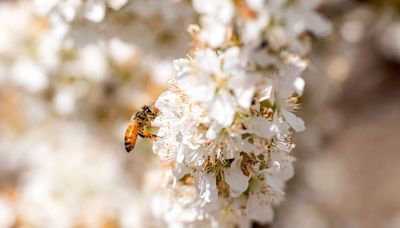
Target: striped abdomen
(130, 136)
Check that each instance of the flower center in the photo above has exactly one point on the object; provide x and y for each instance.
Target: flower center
(221, 80)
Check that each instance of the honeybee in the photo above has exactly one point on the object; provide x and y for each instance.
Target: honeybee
(141, 121)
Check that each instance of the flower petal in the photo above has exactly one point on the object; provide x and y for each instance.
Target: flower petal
(295, 122)
(223, 108)
(260, 126)
(95, 10)
(258, 208)
(235, 178)
(208, 187)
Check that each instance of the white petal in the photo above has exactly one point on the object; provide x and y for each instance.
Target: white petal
(256, 4)
(25, 72)
(261, 127)
(68, 10)
(317, 24)
(198, 89)
(120, 51)
(243, 89)
(214, 34)
(180, 156)
(64, 101)
(180, 171)
(223, 108)
(244, 96)
(299, 84)
(231, 59)
(222, 11)
(116, 4)
(90, 56)
(279, 126)
(258, 208)
(288, 74)
(204, 6)
(44, 6)
(234, 177)
(244, 145)
(7, 215)
(295, 122)
(208, 187)
(195, 157)
(225, 12)
(261, 57)
(95, 10)
(180, 64)
(267, 94)
(285, 170)
(274, 182)
(213, 130)
(208, 61)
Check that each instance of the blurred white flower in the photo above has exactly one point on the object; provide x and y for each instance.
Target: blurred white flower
(28, 74)
(93, 63)
(116, 4)
(64, 101)
(216, 17)
(60, 174)
(120, 52)
(7, 215)
(93, 10)
(299, 18)
(255, 17)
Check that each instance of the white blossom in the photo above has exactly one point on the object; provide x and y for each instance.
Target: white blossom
(69, 10)
(227, 123)
(218, 81)
(216, 17)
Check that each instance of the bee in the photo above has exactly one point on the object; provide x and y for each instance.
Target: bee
(140, 122)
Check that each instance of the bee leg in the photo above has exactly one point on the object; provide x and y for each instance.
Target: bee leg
(147, 125)
(145, 134)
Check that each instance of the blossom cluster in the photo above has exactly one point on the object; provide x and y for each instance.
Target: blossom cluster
(67, 88)
(227, 121)
(59, 56)
(66, 183)
(92, 10)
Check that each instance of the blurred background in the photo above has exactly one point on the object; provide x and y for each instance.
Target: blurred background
(72, 74)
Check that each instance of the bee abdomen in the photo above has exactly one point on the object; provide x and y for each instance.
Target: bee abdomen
(130, 137)
(129, 146)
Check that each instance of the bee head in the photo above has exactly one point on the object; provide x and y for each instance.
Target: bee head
(149, 112)
(140, 115)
